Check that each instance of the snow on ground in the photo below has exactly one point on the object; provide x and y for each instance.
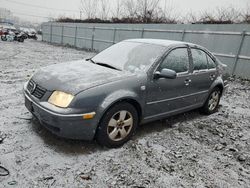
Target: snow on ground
(187, 150)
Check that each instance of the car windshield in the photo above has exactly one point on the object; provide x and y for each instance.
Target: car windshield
(130, 56)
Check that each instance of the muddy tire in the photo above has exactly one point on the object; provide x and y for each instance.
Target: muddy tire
(212, 102)
(117, 125)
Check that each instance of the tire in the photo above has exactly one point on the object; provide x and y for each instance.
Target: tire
(113, 131)
(212, 103)
(20, 40)
(4, 38)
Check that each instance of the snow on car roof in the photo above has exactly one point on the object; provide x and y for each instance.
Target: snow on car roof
(159, 42)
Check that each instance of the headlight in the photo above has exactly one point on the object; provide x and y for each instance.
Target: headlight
(61, 99)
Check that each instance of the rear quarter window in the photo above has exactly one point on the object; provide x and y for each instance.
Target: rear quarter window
(210, 63)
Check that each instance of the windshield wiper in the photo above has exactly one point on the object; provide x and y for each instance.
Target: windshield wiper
(103, 64)
(91, 60)
(107, 65)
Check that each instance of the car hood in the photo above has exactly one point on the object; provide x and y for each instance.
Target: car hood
(76, 76)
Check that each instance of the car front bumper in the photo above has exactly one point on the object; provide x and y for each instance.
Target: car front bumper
(71, 126)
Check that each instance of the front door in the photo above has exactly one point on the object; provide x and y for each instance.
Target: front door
(168, 95)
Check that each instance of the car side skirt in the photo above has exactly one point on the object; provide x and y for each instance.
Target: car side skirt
(170, 113)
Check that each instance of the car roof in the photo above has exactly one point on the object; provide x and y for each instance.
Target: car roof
(161, 42)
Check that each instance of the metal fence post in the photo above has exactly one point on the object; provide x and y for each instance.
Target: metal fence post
(62, 34)
(142, 33)
(50, 33)
(75, 36)
(238, 51)
(93, 38)
(183, 35)
(114, 36)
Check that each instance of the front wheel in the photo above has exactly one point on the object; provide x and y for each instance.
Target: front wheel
(212, 102)
(117, 125)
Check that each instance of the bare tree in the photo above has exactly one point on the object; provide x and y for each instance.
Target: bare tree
(221, 15)
(207, 17)
(148, 9)
(190, 17)
(167, 12)
(144, 10)
(131, 7)
(104, 9)
(158, 11)
(230, 15)
(246, 14)
(118, 9)
(89, 8)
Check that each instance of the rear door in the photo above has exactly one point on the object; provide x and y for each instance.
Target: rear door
(203, 75)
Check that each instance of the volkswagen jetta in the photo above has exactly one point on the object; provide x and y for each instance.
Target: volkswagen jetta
(132, 82)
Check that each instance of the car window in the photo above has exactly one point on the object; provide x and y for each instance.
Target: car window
(211, 64)
(176, 60)
(199, 59)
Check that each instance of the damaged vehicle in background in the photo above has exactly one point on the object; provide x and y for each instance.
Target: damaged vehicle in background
(29, 32)
(130, 83)
(12, 35)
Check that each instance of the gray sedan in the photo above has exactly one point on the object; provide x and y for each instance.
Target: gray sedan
(130, 83)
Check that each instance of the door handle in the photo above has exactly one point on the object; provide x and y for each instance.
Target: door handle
(187, 81)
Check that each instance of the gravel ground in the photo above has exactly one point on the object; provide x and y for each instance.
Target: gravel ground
(187, 150)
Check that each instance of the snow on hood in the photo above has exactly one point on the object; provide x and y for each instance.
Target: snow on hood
(73, 77)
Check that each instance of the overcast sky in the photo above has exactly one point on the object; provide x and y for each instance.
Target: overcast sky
(33, 13)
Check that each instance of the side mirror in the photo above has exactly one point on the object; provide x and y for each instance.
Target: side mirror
(165, 73)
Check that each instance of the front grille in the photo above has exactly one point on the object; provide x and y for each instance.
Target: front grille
(39, 92)
(35, 89)
(30, 86)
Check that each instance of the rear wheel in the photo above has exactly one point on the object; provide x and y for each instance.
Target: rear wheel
(118, 125)
(212, 102)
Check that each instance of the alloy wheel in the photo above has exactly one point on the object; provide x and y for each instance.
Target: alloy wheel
(213, 100)
(120, 125)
